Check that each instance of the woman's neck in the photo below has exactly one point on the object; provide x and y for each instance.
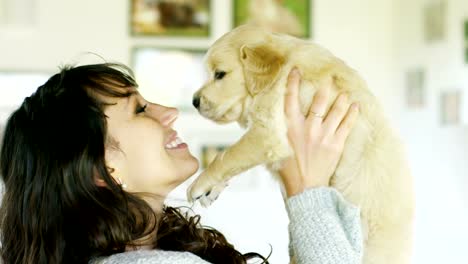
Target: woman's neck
(147, 242)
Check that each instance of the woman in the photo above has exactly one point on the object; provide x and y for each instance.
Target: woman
(87, 163)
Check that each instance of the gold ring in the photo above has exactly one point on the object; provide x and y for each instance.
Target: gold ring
(317, 114)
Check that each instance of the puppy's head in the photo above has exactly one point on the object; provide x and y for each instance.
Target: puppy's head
(241, 65)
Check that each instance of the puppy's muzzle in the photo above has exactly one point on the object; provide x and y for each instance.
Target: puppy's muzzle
(196, 101)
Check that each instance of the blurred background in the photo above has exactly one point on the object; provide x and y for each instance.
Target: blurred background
(413, 54)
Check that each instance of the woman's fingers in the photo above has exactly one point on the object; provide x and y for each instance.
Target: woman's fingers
(336, 114)
(347, 124)
(318, 107)
(292, 94)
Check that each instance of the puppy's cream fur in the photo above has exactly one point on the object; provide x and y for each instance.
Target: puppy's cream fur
(373, 172)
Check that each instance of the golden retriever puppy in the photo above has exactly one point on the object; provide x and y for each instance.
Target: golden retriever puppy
(249, 69)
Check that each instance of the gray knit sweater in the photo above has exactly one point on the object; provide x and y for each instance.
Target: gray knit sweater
(324, 229)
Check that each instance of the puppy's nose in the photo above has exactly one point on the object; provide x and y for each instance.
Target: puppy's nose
(196, 101)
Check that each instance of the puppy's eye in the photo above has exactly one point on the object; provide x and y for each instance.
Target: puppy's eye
(219, 75)
(141, 109)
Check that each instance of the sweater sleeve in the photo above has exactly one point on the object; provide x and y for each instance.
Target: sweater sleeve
(151, 257)
(324, 228)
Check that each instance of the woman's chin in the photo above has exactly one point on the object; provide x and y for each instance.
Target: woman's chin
(196, 165)
(190, 167)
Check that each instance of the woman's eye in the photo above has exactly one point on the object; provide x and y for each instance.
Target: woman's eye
(219, 75)
(141, 109)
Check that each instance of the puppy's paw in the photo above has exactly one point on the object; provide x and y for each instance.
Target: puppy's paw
(206, 193)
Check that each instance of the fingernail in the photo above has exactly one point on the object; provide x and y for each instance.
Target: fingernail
(355, 106)
(295, 71)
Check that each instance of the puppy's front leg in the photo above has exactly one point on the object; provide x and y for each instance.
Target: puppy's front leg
(257, 146)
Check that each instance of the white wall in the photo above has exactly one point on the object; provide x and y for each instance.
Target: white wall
(438, 154)
(380, 38)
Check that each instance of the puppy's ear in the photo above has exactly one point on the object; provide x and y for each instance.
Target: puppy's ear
(261, 63)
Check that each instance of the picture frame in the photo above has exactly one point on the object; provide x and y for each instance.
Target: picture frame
(435, 21)
(465, 35)
(169, 76)
(207, 144)
(450, 108)
(190, 18)
(2, 132)
(415, 89)
(20, 84)
(466, 55)
(291, 17)
(209, 152)
(18, 14)
(465, 32)
(3, 13)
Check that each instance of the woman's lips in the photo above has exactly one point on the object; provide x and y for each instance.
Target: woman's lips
(175, 142)
(172, 136)
(178, 146)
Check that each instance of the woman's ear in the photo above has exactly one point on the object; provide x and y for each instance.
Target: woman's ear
(99, 182)
(261, 63)
(116, 166)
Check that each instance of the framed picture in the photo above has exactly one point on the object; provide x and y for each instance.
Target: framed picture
(3, 12)
(209, 152)
(466, 55)
(435, 20)
(465, 33)
(18, 85)
(188, 18)
(415, 89)
(284, 16)
(15, 87)
(169, 76)
(2, 130)
(450, 108)
(207, 144)
(18, 13)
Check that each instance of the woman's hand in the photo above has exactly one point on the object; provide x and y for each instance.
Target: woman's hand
(317, 139)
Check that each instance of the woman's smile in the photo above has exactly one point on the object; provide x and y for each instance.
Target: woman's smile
(174, 142)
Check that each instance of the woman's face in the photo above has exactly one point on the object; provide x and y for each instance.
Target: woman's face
(144, 151)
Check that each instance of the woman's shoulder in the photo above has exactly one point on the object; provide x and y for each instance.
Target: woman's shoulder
(150, 257)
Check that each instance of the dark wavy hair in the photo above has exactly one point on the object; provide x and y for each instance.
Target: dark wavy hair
(53, 211)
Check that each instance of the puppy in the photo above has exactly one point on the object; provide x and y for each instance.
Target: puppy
(249, 69)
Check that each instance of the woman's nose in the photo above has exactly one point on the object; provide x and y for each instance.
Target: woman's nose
(165, 115)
